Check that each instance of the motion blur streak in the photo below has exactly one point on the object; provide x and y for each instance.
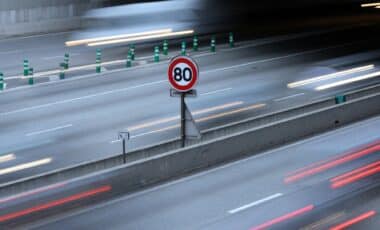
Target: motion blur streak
(284, 218)
(330, 164)
(330, 76)
(7, 157)
(353, 221)
(32, 192)
(25, 166)
(162, 35)
(355, 171)
(358, 176)
(55, 203)
(122, 36)
(371, 4)
(348, 81)
(198, 112)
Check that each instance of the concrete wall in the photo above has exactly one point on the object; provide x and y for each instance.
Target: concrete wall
(25, 17)
(217, 151)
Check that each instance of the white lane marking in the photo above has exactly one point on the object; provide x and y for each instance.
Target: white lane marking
(255, 203)
(10, 52)
(7, 157)
(348, 81)
(25, 166)
(61, 57)
(49, 130)
(144, 58)
(81, 98)
(288, 97)
(204, 54)
(216, 91)
(330, 76)
(275, 58)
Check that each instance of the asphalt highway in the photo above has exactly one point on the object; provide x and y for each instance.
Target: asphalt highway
(323, 182)
(54, 125)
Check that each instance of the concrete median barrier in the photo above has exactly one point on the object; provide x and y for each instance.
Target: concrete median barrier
(250, 137)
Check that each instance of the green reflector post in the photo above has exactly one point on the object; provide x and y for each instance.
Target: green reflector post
(231, 40)
(340, 99)
(213, 44)
(183, 48)
(132, 49)
(195, 43)
(26, 68)
(62, 70)
(156, 54)
(66, 61)
(165, 47)
(1, 81)
(98, 61)
(129, 61)
(31, 79)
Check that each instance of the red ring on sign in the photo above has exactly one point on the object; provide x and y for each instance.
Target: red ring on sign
(194, 70)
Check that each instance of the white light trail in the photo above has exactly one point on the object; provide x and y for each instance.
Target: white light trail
(348, 81)
(25, 166)
(133, 39)
(122, 36)
(330, 76)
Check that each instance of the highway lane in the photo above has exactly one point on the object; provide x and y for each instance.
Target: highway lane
(246, 194)
(56, 125)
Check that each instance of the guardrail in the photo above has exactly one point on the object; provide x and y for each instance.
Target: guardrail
(265, 130)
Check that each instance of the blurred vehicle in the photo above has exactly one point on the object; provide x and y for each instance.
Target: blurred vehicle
(157, 20)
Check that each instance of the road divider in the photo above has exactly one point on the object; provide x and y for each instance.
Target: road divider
(166, 160)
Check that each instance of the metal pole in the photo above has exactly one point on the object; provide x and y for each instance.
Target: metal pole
(124, 153)
(183, 123)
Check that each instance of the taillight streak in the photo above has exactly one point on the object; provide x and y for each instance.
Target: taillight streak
(317, 168)
(55, 203)
(355, 175)
(284, 218)
(353, 221)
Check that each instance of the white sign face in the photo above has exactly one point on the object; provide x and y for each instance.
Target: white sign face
(183, 73)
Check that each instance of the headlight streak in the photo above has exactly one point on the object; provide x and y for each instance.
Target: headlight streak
(122, 36)
(134, 39)
(330, 76)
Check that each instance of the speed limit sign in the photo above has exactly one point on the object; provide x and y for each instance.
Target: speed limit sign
(183, 73)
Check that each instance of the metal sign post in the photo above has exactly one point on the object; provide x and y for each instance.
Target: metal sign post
(183, 76)
(124, 136)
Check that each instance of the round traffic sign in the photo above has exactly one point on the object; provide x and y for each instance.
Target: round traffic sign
(183, 73)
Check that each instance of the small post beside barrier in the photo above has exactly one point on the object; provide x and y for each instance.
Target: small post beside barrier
(2, 85)
(26, 67)
(165, 47)
(231, 40)
(62, 70)
(31, 79)
(195, 43)
(98, 60)
(129, 61)
(66, 61)
(183, 48)
(156, 54)
(213, 44)
(339, 99)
